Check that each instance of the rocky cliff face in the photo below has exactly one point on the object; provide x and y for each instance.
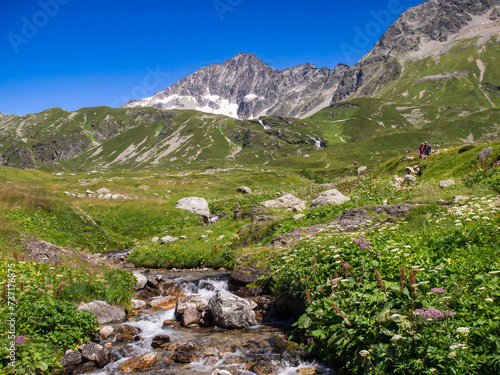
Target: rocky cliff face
(246, 87)
(426, 30)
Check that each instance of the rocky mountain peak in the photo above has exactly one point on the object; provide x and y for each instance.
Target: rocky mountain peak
(246, 87)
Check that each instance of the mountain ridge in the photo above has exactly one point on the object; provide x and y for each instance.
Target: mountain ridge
(240, 90)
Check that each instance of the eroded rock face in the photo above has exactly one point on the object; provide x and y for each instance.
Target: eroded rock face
(195, 205)
(104, 312)
(231, 311)
(330, 197)
(244, 190)
(138, 363)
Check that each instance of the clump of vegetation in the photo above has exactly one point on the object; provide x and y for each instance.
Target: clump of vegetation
(419, 296)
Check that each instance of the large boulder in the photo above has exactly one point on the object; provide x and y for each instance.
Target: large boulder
(104, 312)
(330, 197)
(485, 153)
(195, 205)
(138, 363)
(286, 201)
(95, 353)
(231, 311)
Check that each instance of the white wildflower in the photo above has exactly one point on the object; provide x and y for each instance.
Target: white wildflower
(364, 353)
(463, 330)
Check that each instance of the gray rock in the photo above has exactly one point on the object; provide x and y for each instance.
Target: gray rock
(485, 153)
(155, 239)
(184, 303)
(159, 340)
(103, 191)
(191, 316)
(137, 304)
(286, 201)
(446, 184)
(195, 205)
(409, 170)
(460, 198)
(299, 216)
(244, 190)
(107, 332)
(141, 280)
(95, 353)
(104, 312)
(231, 311)
(330, 197)
(71, 358)
(362, 169)
(169, 239)
(410, 178)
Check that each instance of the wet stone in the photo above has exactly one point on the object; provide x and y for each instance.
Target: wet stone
(184, 357)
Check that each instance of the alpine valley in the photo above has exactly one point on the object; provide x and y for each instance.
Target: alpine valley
(432, 76)
(254, 221)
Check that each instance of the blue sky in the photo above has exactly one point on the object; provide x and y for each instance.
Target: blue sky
(75, 53)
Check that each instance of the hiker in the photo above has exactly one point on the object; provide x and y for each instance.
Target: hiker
(355, 163)
(421, 150)
(427, 150)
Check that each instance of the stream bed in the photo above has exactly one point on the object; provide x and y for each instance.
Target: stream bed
(261, 349)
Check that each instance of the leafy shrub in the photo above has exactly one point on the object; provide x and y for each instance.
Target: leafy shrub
(402, 302)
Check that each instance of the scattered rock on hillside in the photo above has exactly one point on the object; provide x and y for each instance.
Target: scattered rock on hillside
(351, 220)
(44, 252)
(460, 198)
(195, 205)
(446, 184)
(231, 311)
(286, 201)
(485, 153)
(298, 216)
(330, 197)
(103, 191)
(362, 169)
(169, 239)
(244, 190)
(410, 178)
(104, 312)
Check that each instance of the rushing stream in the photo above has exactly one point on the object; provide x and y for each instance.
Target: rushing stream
(237, 351)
